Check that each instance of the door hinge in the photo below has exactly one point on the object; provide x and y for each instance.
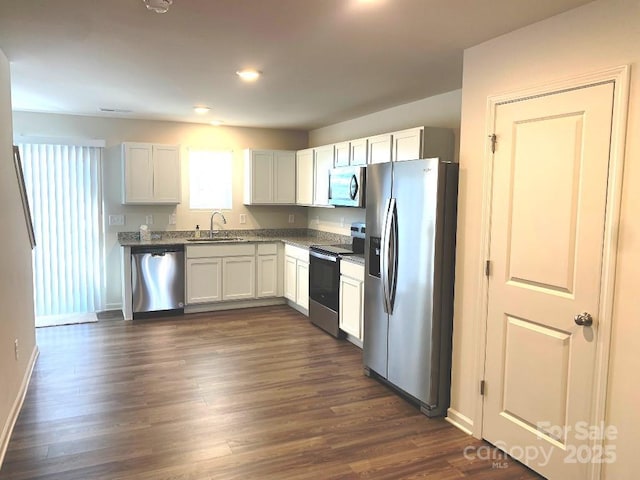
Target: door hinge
(487, 268)
(482, 387)
(494, 140)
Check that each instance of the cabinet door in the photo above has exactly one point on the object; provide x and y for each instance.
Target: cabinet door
(137, 168)
(407, 145)
(302, 284)
(342, 154)
(358, 153)
(304, 177)
(323, 162)
(351, 303)
(204, 277)
(284, 177)
(290, 281)
(267, 276)
(379, 149)
(238, 278)
(166, 174)
(261, 177)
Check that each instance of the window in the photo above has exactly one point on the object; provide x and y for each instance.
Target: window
(210, 179)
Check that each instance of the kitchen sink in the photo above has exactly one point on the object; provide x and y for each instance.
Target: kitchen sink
(215, 239)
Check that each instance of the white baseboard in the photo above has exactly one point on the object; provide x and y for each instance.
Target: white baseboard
(214, 307)
(17, 406)
(113, 306)
(297, 307)
(460, 421)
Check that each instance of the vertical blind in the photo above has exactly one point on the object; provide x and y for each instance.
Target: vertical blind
(63, 186)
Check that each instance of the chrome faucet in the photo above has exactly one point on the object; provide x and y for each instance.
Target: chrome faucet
(224, 221)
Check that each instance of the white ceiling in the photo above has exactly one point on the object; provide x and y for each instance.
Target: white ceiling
(324, 61)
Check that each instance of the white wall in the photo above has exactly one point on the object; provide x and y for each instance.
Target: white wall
(438, 111)
(596, 36)
(116, 131)
(16, 280)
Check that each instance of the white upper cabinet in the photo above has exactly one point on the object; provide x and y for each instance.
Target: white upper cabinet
(342, 154)
(270, 177)
(358, 152)
(304, 177)
(379, 149)
(407, 144)
(322, 163)
(351, 153)
(151, 173)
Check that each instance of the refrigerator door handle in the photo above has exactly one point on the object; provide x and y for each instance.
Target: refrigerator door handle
(384, 255)
(393, 255)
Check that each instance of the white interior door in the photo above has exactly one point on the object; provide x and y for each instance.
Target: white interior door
(547, 227)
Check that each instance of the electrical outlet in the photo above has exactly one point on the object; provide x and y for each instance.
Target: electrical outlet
(342, 221)
(172, 219)
(149, 220)
(292, 218)
(116, 220)
(16, 348)
(243, 218)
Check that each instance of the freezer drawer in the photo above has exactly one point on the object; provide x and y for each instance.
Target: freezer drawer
(157, 280)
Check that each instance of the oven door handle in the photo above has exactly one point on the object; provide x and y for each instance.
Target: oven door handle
(384, 256)
(323, 256)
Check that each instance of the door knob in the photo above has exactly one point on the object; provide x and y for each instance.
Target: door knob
(583, 319)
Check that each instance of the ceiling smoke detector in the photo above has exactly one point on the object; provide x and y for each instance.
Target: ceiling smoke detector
(158, 6)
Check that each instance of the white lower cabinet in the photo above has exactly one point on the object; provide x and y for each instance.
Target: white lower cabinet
(204, 280)
(267, 271)
(238, 278)
(290, 282)
(352, 299)
(217, 273)
(296, 275)
(302, 284)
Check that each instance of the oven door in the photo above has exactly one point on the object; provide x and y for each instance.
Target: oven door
(324, 279)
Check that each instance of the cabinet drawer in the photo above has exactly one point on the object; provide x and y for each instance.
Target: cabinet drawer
(267, 249)
(352, 270)
(297, 252)
(202, 251)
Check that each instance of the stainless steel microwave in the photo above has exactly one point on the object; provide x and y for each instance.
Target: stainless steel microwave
(347, 187)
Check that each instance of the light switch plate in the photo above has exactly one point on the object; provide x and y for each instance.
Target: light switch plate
(243, 218)
(149, 220)
(172, 219)
(292, 218)
(116, 220)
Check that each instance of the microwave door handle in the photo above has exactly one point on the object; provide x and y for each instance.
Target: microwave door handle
(353, 187)
(384, 256)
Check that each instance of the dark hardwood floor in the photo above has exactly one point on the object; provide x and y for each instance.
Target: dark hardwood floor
(246, 394)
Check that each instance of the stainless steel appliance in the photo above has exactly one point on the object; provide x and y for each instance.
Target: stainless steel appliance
(347, 187)
(324, 279)
(157, 280)
(409, 265)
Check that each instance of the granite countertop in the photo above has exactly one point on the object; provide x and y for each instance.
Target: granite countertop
(160, 239)
(356, 258)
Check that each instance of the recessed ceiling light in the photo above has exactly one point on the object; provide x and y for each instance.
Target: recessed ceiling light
(201, 109)
(249, 74)
(216, 123)
(158, 6)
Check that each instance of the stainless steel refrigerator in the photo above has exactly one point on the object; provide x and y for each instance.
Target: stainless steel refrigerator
(409, 265)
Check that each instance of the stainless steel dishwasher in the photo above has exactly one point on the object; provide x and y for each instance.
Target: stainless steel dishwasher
(157, 280)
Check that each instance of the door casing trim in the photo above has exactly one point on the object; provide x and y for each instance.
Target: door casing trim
(620, 76)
